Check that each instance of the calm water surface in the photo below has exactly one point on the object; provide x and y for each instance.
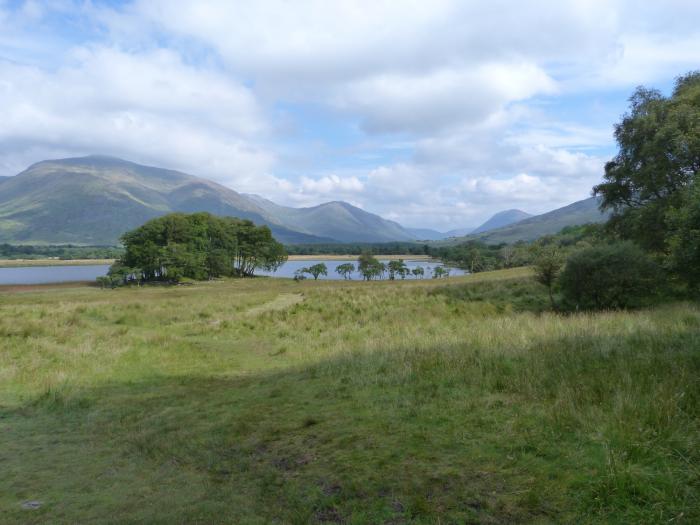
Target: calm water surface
(51, 274)
(288, 268)
(62, 274)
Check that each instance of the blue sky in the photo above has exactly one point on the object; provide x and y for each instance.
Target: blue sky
(435, 114)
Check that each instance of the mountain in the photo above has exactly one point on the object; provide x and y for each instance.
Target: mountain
(501, 219)
(337, 220)
(580, 212)
(93, 200)
(426, 234)
(459, 232)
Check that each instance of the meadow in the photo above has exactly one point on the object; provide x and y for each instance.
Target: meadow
(262, 401)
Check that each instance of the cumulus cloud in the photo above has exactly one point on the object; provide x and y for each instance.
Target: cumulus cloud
(149, 106)
(432, 113)
(441, 99)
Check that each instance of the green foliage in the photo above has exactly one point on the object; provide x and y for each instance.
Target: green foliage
(476, 256)
(346, 270)
(547, 265)
(418, 271)
(609, 276)
(370, 267)
(316, 270)
(439, 272)
(196, 246)
(397, 267)
(683, 242)
(659, 156)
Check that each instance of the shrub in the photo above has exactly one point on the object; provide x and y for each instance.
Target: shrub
(609, 276)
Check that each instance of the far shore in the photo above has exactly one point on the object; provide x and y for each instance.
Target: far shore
(17, 263)
(14, 263)
(354, 257)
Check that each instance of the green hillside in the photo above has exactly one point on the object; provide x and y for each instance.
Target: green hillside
(580, 212)
(93, 200)
(338, 220)
(502, 219)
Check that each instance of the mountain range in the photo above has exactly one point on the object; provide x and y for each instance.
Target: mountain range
(94, 199)
(500, 219)
(533, 227)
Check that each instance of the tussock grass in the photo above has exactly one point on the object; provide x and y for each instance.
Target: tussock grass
(459, 401)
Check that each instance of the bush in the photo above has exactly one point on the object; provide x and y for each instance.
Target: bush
(609, 276)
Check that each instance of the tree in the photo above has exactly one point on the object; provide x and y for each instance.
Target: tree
(547, 266)
(608, 276)
(418, 271)
(658, 157)
(683, 243)
(369, 266)
(197, 246)
(438, 272)
(316, 270)
(346, 270)
(397, 267)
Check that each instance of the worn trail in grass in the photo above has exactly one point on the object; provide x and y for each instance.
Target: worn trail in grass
(403, 402)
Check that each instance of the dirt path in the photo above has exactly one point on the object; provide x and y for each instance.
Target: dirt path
(281, 302)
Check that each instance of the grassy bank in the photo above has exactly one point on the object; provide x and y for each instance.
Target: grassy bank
(269, 401)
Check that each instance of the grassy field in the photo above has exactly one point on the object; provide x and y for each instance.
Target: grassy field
(269, 401)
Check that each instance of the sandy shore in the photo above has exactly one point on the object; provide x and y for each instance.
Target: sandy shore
(14, 263)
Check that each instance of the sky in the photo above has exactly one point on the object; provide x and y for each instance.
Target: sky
(432, 113)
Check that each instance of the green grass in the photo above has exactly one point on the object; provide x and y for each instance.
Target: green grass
(457, 401)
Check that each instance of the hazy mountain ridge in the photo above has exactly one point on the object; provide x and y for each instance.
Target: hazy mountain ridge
(426, 234)
(498, 220)
(93, 200)
(501, 219)
(336, 219)
(580, 212)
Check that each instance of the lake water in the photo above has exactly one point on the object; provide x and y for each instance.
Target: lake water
(288, 268)
(51, 274)
(62, 274)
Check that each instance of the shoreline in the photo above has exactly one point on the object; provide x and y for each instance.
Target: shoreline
(24, 263)
(354, 257)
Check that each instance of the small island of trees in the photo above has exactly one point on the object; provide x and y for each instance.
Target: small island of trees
(195, 246)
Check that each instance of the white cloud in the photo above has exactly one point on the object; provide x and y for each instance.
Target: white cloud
(441, 99)
(331, 184)
(433, 113)
(150, 107)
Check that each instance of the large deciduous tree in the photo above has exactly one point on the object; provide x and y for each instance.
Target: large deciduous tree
(658, 160)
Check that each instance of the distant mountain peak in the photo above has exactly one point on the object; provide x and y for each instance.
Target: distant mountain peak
(501, 219)
(580, 212)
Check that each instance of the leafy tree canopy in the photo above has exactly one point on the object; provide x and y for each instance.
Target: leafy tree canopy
(658, 157)
(197, 246)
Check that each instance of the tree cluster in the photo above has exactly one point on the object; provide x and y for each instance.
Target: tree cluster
(195, 246)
